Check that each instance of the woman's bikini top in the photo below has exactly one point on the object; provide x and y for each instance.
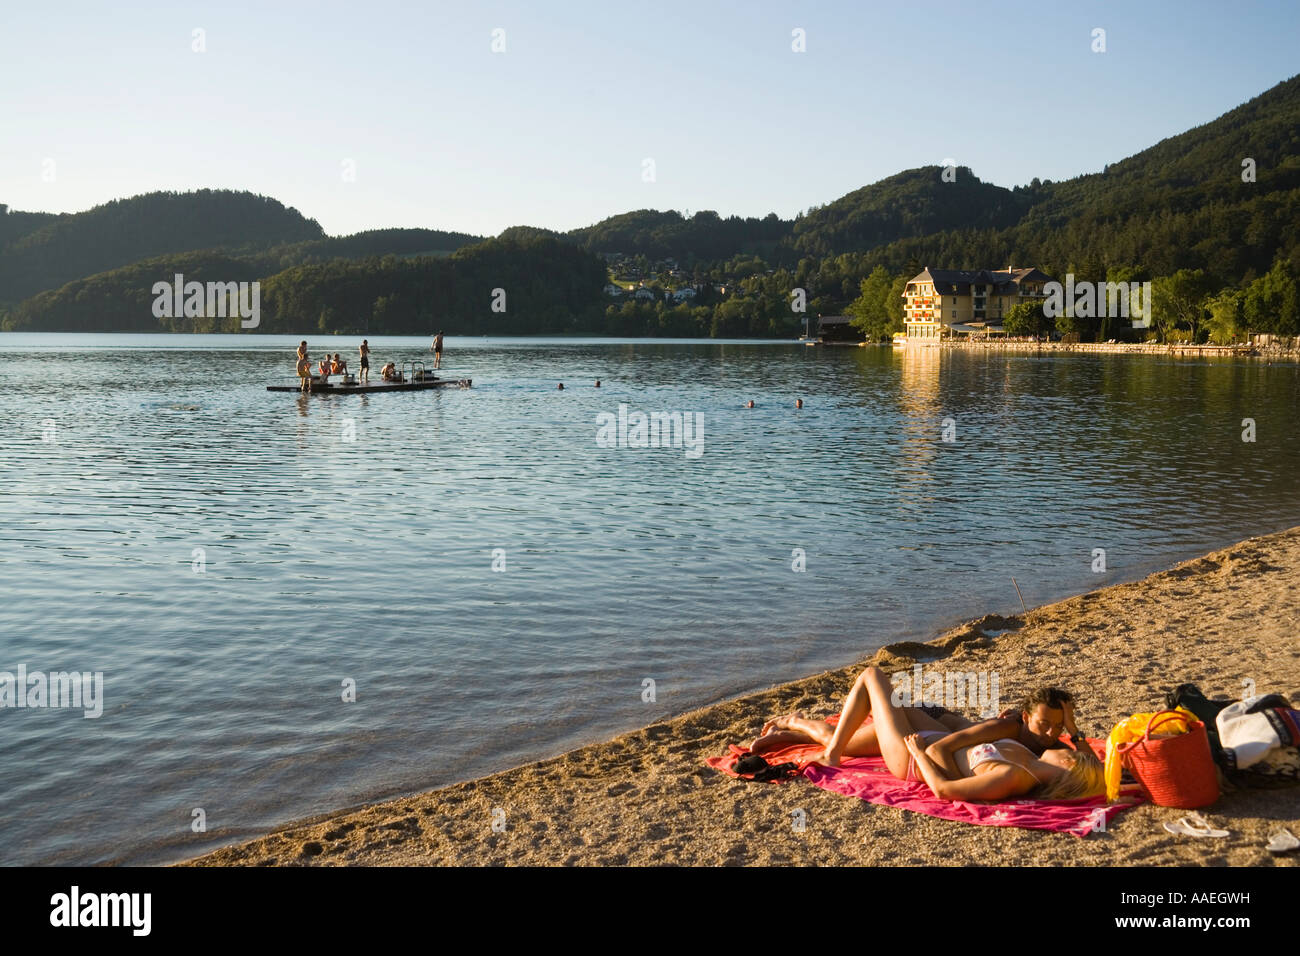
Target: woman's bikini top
(989, 753)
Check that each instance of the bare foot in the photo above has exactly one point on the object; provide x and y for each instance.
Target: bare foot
(780, 723)
(829, 759)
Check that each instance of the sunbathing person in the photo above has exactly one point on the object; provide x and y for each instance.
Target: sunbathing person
(324, 369)
(1036, 725)
(338, 366)
(794, 729)
(986, 771)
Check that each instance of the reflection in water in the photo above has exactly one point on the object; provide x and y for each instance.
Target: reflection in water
(922, 422)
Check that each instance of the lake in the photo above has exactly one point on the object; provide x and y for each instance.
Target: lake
(300, 603)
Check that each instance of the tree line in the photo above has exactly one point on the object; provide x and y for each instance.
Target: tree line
(498, 287)
(1190, 306)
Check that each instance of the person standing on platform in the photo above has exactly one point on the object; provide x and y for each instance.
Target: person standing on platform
(304, 369)
(437, 350)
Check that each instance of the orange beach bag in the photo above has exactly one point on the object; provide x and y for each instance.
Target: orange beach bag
(1175, 771)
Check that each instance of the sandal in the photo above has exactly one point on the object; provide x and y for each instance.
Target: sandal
(1194, 825)
(1283, 841)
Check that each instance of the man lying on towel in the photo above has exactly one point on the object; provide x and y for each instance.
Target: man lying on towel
(994, 760)
(1037, 723)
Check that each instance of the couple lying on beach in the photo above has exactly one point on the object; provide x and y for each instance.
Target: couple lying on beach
(1014, 755)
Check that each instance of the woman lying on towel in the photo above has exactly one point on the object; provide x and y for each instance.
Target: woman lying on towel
(1037, 724)
(987, 771)
(796, 729)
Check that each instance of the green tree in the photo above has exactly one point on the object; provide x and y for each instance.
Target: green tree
(1270, 303)
(1226, 321)
(870, 310)
(1178, 300)
(1112, 324)
(1026, 318)
(1067, 324)
(894, 304)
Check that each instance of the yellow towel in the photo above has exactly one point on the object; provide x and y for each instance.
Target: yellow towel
(1134, 728)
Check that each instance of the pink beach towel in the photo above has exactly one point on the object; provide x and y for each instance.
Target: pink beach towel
(869, 779)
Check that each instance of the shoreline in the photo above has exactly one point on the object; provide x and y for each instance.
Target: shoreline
(646, 797)
(1269, 351)
(1119, 348)
(1284, 348)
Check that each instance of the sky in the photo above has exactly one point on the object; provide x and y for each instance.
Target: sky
(366, 115)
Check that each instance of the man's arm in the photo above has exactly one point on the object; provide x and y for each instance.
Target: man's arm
(1071, 728)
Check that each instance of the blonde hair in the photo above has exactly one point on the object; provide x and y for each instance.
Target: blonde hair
(1085, 778)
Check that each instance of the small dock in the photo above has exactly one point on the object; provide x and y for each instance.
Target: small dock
(357, 389)
(414, 377)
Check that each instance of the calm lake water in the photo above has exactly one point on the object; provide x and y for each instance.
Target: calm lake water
(230, 557)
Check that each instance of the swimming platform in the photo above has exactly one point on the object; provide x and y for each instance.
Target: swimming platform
(356, 388)
(413, 377)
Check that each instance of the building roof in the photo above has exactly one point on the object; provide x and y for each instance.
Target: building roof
(959, 281)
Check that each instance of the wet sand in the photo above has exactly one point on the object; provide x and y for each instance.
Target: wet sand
(648, 798)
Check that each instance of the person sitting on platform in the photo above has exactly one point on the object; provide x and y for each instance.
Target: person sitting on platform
(338, 366)
(389, 373)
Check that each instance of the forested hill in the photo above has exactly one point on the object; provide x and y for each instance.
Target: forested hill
(127, 230)
(514, 286)
(548, 285)
(1223, 198)
(916, 202)
(1139, 210)
(121, 300)
(706, 236)
(363, 245)
(1203, 164)
(15, 225)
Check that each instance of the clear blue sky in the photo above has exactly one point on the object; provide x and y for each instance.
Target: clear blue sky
(446, 134)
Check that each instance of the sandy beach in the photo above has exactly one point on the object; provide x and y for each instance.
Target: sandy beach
(648, 797)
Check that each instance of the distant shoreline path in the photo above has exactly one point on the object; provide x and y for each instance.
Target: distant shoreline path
(1139, 348)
